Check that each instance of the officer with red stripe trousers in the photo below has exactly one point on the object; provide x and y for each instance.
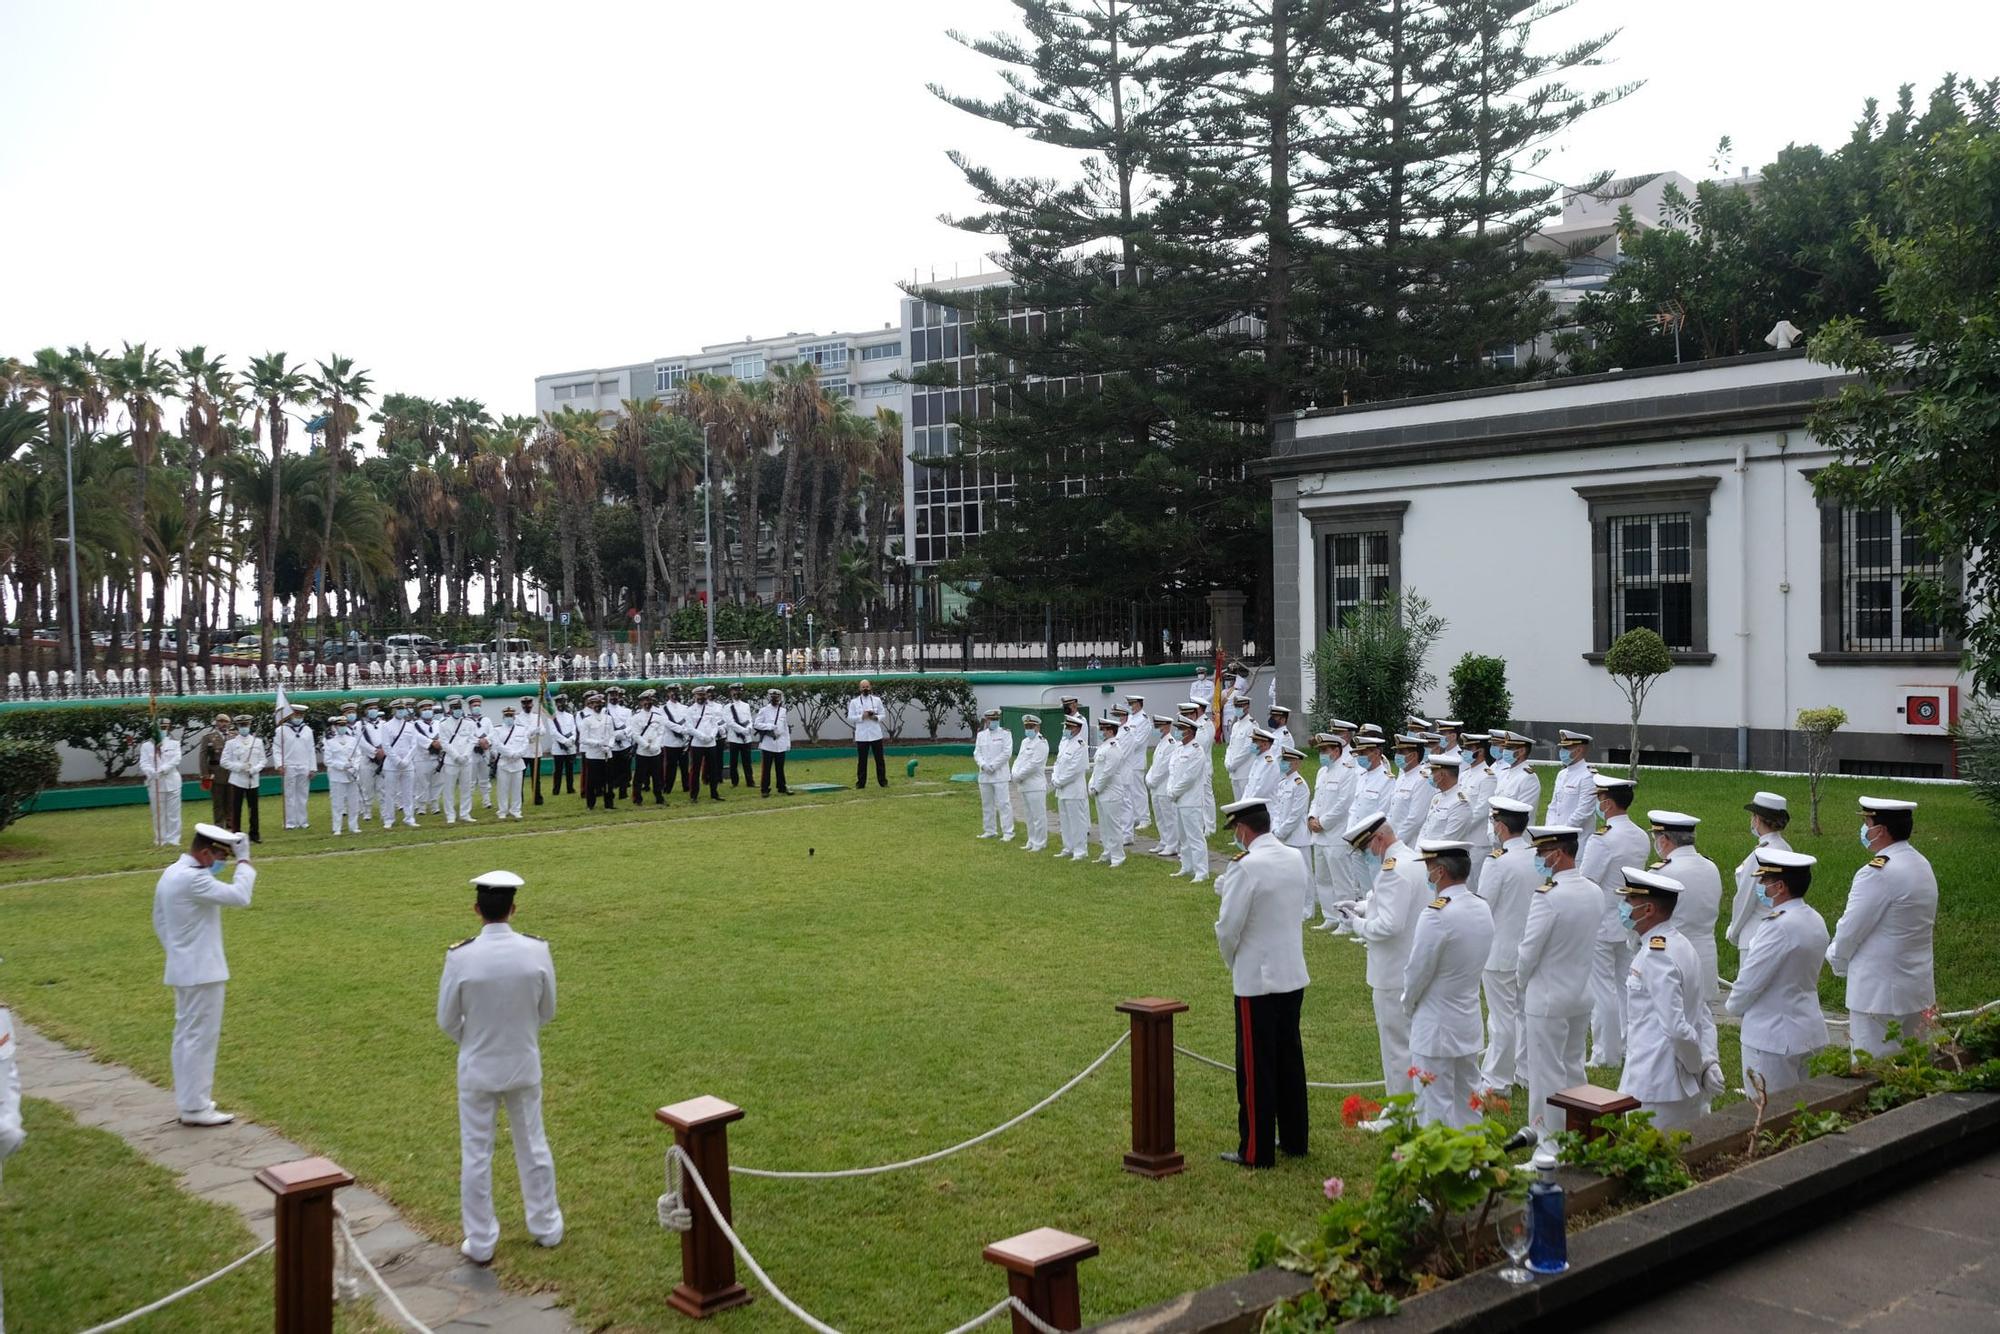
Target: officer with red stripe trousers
(1263, 899)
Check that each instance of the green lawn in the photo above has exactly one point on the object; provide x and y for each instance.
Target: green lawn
(854, 969)
(89, 1230)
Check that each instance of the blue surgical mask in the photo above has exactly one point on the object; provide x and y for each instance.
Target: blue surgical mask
(992, 726)
(1285, 766)
(1864, 837)
(1625, 918)
(1432, 780)
(402, 713)
(1374, 862)
(424, 713)
(1365, 760)
(1542, 869)
(1763, 899)
(374, 715)
(1568, 758)
(1503, 760)
(457, 711)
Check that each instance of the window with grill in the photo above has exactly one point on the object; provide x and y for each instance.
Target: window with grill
(1882, 564)
(1357, 572)
(1652, 577)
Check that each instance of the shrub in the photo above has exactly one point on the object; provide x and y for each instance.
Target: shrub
(1978, 737)
(1636, 659)
(1818, 727)
(1632, 1149)
(1370, 668)
(112, 732)
(27, 769)
(1478, 692)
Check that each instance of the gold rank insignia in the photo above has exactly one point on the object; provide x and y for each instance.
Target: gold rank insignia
(1496, 854)
(1389, 865)
(1600, 833)
(1772, 916)
(1879, 862)
(1657, 943)
(1654, 866)
(543, 939)
(1545, 886)
(456, 944)
(1439, 902)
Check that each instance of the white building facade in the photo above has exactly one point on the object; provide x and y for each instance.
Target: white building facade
(866, 368)
(1543, 520)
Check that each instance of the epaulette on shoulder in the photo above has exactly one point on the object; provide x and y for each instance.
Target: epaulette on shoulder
(1600, 833)
(460, 944)
(543, 939)
(1657, 943)
(1461, 796)
(1496, 854)
(1389, 865)
(1879, 862)
(1545, 886)
(1772, 916)
(1440, 901)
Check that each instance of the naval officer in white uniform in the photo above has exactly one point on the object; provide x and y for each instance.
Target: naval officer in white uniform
(187, 917)
(498, 990)
(1777, 983)
(1883, 942)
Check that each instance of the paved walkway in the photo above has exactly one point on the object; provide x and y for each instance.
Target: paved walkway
(1925, 1260)
(443, 1291)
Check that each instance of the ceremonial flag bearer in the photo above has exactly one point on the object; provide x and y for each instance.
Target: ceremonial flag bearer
(497, 992)
(187, 917)
(1263, 897)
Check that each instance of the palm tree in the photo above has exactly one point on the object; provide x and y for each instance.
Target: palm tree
(207, 428)
(569, 444)
(464, 419)
(342, 392)
(674, 459)
(275, 387)
(138, 378)
(803, 414)
(67, 384)
(885, 486)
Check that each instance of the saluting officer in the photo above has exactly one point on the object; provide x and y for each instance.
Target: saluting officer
(497, 992)
(1448, 949)
(187, 917)
(1769, 814)
(1882, 945)
(1618, 844)
(1777, 983)
(1670, 1057)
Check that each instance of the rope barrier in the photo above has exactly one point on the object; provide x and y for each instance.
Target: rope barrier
(1310, 1083)
(1086, 1072)
(680, 1166)
(190, 1289)
(1729, 984)
(354, 1255)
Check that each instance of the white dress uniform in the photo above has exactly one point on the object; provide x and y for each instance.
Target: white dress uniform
(593, 734)
(1671, 1040)
(1518, 782)
(1574, 800)
(343, 778)
(1882, 946)
(1448, 950)
(1450, 817)
(1072, 795)
(244, 757)
(428, 774)
(1371, 794)
(1777, 996)
(512, 739)
(1107, 785)
(1744, 915)
(371, 735)
(11, 1134)
(1408, 804)
(498, 990)
(482, 768)
(1189, 788)
(1138, 808)
(404, 743)
(1507, 884)
(1387, 928)
(1558, 953)
(1263, 892)
(621, 736)
(187, 917)
(1031, 778)
(1166, 816)
(1479, 784)
(1237, 756)
(295, 756)
(993, 753)
(1620, 843)
(1700, 906)
(459, 734)
(160, 766)
(1333, 875)
(1288, 808)
(1260, 778)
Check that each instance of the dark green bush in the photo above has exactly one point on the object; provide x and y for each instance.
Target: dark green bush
(1478, 692)
(27, 769)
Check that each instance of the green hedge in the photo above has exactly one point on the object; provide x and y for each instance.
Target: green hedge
(27, 768)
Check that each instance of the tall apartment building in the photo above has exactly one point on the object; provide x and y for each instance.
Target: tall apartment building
(862, 366)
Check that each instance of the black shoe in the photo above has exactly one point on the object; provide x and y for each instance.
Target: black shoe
(1291, 1153)
(784, 792)
(1238, 1160)
(863, 783)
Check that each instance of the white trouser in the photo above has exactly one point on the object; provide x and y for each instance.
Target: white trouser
(1138, 805)
(457, 794)
(1869, 1032)
(1073, 813)
(343, 796)
(1554, 1050)
(1679, 1114)
(1446, 1097)
(1168, 818)
(1503, 1029)
(430, 782)
(482, 779)
(1235, 785)
(1035, 800)
(399, 793)
(373, 789)
(1778, 1070)
(1111, 824)
(510, 792)
(298, 786)
(1331, 884)
(1610, 961)
(1392, 1030)
(164, 793)
(1194, 843)
(197, 1033)
(532, 1159)
(996, 809)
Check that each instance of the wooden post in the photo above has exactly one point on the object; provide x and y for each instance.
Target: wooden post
(708, 1265)
(1583, 1104)
(303, 1286)
(1041, 1271)
(1153, 1153)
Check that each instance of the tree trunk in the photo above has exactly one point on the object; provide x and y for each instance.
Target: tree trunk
(813, 516)
(1278, 225)
(788, 514)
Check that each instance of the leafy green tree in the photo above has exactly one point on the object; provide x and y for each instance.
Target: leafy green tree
(1636, 660)
(1371, 667)
(1818, 727)
(1478, 693)
(1916, 431)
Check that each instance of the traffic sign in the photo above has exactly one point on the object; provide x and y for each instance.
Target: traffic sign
(565, 618)
(784, 609)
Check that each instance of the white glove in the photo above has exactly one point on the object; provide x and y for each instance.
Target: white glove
(1712, 1080)
(242, 846)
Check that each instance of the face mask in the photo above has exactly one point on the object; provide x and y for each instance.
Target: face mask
(1432, 780)
(1754, 831)
(1284, 766)
(1764, 899)
(1503, 760)
(1568, 758)
(340, 729)
(1374, 863)
(403, 713)
(1401, 765)
(1625, 918)
(1864, 836)
(457, 712)
(992, 727)
(1327, 757)
(1543, 869)
(1236, 836)
(424, 713)
(1365, 761)
(374, 715)
(1274, 722)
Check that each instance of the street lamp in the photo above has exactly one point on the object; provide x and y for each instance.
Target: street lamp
(709, 551)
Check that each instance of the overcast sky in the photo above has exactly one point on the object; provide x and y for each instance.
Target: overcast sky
(463, 196)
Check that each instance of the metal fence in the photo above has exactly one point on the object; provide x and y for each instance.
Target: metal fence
(1054, 638)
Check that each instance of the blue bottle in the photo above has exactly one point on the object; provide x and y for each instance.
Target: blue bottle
(1548, 1243)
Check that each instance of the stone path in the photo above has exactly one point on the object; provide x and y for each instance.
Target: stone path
(438, 1286)
(1924, 1260)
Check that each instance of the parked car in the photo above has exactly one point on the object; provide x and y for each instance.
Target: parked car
(406, 647)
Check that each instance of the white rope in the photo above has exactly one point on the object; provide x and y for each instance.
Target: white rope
(679, 1164)
(354, 1252)
(173, 1297)
(1084, 1074)
(1310, 1083)
(1729, 983)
